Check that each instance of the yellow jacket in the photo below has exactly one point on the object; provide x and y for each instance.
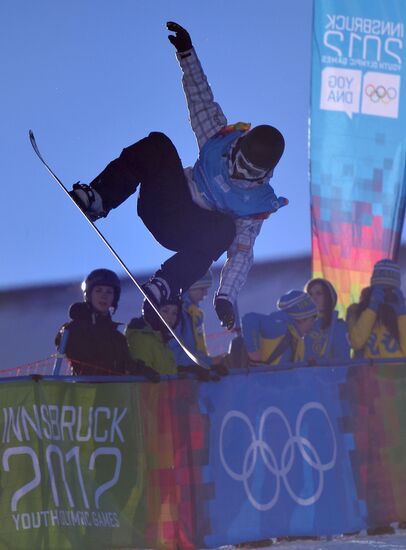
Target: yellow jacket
(293, 354)
(371, 339)
(149, 346)
(265, 332)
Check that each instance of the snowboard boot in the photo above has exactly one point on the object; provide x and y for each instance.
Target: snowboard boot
(88, 200)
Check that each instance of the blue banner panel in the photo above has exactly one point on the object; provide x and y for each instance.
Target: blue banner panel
(279, 458)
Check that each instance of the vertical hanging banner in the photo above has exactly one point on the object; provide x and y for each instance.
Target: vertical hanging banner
(358, 139)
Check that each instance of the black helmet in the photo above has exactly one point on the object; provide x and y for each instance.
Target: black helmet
(263, 146)
(103, 277)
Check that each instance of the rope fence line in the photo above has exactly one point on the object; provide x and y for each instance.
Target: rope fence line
(43, 368)
(218, 343)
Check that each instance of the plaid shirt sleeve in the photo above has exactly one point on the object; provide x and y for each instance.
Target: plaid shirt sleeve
(206, 116)
(239, 258)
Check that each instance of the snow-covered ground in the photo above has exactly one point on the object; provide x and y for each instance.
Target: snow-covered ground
(359, 542)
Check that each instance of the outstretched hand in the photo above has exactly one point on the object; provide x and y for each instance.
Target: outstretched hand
(225, 312)
(141, 369)
(181, 39)
(201, 373)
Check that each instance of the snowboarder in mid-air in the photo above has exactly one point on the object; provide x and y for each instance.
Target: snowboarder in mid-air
(218, 205)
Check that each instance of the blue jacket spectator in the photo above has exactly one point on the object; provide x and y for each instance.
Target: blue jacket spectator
(191, 325)
(278, 337)
(328, 338)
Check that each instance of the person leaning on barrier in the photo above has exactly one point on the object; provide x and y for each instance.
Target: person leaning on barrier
(278, 337)
(191, 327)
(328, 339)
(148, 339)
(94, 345)
(377, 323)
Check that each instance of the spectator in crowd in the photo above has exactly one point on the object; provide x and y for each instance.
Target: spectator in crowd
(328, 339)
(279, 337)
(191, 327)
(377, 323)
(191, 324)
(148, 339)
(92, 343)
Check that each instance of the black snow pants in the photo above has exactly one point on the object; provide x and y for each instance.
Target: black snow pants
(165, 205)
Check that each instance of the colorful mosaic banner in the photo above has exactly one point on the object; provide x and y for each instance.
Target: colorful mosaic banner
(183, 464)
(358, 140)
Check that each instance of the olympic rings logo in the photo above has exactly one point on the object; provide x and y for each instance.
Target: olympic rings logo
(279, 469)
(380, 93)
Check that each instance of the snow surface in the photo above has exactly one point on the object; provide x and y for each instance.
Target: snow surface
(382, 542)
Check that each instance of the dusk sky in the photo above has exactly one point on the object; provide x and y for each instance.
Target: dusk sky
(93, 76)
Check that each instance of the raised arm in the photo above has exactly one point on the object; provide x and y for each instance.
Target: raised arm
(206, 116)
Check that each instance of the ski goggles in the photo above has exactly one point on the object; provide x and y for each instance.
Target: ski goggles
(242, 168)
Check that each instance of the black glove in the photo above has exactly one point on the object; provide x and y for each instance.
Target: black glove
(225, 312)
(181, 40)
(202, 374)
(220, 369)
(141, 369)
(377, 297)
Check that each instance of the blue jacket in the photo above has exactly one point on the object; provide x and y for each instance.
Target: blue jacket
(192, 333)
(329, 343)
(265, 332)
(220, 191)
